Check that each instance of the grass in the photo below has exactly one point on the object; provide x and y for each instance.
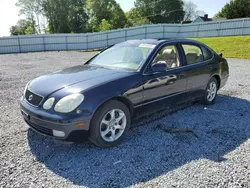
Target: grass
(231, 47)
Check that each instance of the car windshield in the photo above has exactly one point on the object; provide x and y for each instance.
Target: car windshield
(125, 56)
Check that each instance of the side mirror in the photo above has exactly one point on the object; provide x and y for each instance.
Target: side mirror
(220, 54)
(160, 66)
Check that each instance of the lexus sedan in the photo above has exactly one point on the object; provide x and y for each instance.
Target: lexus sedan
(101, 97)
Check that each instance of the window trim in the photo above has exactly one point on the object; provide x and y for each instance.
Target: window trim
(178, 48)
(184, 53)
(194, 44)
(204, 47)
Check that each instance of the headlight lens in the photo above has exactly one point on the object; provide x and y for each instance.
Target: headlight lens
(69, 103)
(49, 103)
(26, 87)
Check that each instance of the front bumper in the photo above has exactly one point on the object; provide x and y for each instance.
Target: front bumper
(47, 123)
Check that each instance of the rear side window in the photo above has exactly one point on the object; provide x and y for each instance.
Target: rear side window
(207, 53)
(193, 54)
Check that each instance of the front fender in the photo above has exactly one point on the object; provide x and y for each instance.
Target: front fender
(129, 89)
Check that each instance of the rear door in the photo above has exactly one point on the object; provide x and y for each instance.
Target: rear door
(198, 68)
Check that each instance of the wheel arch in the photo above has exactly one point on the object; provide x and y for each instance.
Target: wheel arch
(127, 102)
(121, 99)
(217, 77)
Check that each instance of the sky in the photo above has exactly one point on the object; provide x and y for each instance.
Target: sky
(9, 12)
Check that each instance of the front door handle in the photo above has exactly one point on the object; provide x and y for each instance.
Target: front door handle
(182, 75)
(210, 68)
(171, 79)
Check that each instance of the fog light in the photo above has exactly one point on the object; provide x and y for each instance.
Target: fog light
(58, 133)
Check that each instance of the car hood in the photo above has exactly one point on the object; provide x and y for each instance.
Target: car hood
(90, 75)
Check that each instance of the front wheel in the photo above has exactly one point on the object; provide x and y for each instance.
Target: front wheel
(211, 92)
(110, 124)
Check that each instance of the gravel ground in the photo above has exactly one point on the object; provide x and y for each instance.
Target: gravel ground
(218, 157)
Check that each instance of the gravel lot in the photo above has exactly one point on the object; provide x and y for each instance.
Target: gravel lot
(218, 157)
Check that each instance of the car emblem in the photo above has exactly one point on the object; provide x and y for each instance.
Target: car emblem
(30, 97)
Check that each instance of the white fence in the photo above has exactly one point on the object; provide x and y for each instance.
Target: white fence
(88, 41)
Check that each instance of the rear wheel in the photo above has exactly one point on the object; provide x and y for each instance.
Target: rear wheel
(211, 92)
(110, 124)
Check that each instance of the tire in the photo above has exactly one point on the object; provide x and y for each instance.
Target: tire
(110, 124)
(210, 92)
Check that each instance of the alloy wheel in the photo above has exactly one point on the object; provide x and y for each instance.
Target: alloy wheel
(211, 91)
(113, 125)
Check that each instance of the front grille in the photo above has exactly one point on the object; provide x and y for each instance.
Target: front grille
(40, 128)
(33, 98)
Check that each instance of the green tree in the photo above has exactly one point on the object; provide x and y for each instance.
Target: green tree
(161, 11)
(78, 18)
(105, 25)
(135, 18)
(33, 10)
(66, 16)
(109, 10)
(29, 30)
(235, 9)
(57, 12)
(23, 27)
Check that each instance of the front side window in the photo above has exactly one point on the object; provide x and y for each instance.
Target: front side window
(168, 54)
(124, 56)
(193, 54)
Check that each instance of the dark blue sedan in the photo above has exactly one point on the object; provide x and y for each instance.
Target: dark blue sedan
(102, 96)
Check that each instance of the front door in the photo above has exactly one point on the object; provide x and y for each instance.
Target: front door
(165, 88)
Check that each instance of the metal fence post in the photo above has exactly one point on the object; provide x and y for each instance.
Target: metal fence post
(126, 33)
(218, 31)
(179, 31)
(107, 39)
(19, 46)
(242, 29)
(164, 30)
(44, 47)
(87, 39)
(146, 31)
(198, 29)
(66, 39)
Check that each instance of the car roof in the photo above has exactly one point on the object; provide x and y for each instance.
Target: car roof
(161, 40)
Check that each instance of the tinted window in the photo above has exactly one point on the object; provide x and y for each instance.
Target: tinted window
(169, 54)
(207, 53)
(193, 54)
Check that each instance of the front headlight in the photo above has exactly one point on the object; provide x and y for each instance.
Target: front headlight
(69, 103)
(26, 87)
(49, 103)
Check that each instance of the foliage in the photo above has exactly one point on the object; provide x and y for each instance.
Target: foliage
(32, 9)
(29, 30)
(161, 11)
(135, 19)
(57, 12)
(238, 48)
(109, 10)
(235, 9)
(105, 25)
(78, 17)
(23, 27)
